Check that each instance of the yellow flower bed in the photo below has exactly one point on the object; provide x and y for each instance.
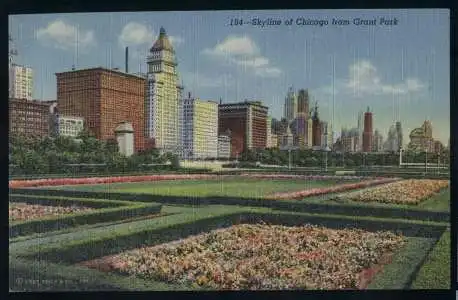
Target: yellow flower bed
(411, 191)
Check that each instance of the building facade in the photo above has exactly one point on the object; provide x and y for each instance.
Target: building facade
(20, 82)
(199, 138)
(368, 131)
(269, 132)
(360, 128)
(69, 126)
(224, 146)
(309, 136)
(247, 122)
(421, 139)
(377, 145)
(103, 98)
(290, 108)
(163, 96)
(303, 102)
(28, 118)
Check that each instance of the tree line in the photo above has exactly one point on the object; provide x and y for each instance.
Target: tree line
(309, 158)
(66, 155)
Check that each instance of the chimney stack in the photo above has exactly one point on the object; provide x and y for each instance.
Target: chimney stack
(127, 59)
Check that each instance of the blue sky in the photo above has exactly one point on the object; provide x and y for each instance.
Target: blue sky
(400, 71)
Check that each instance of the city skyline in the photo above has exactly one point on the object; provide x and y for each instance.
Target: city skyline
(374, 66)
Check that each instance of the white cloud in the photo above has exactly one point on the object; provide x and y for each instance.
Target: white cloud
(243, 51)
(176, 40)
(65, 36)
(234, 45)
(136, 34)
(364, 80)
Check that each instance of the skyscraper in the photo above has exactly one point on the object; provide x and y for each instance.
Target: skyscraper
(367, 132)
(20, 82)
(303, 102)
(316, 128)
(247, 122)
(199, 128)
(359, 139)
(104, 98)
(163, 96)
(290, 109)
(399, 134)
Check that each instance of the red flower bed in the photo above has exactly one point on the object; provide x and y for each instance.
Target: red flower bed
(98, 180)
(332, 189)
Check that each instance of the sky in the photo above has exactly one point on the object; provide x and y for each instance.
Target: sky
(401, 71)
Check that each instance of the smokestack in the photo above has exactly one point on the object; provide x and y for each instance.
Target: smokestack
(127, 59)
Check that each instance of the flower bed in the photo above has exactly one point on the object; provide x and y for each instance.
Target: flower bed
(411, 191)
(24, 211)
(262, 257)
(101, 180)
(332, 189)
(306, 177)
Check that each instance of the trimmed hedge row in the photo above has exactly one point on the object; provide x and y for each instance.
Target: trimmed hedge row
(96, 248)
(294, 205)
(76, 219)
(67, 201)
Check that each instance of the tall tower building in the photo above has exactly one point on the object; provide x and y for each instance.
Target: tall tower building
(20, 82)
(303, 102)
(199, 129)
(316, 128)
(368, 131)
(163, 96)
(269, 132)
(309, 132)
(290, 105)
(399, 134)
(247, 122)
(360, 128)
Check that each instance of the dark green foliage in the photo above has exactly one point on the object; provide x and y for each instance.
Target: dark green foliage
(108, 211)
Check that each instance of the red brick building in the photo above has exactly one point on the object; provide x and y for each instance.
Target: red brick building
(28, 117)
(247, 122)
(104, 98)
(367, 132)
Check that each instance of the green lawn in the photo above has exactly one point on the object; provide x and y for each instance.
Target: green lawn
(237, 187)
(435, 272)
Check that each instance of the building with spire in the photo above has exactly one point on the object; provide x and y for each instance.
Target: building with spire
(290, 109)
(163, 96)
(316, 129)
(367, 131)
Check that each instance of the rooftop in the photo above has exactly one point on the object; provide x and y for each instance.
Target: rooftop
(104, 70)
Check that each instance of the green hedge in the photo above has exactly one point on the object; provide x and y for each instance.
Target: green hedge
(285, 205)
(67, 201)
(95, 247)
(76, 219)
(105, 174)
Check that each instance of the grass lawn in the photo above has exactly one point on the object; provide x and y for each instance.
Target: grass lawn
(234, 187)
(435, 272)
